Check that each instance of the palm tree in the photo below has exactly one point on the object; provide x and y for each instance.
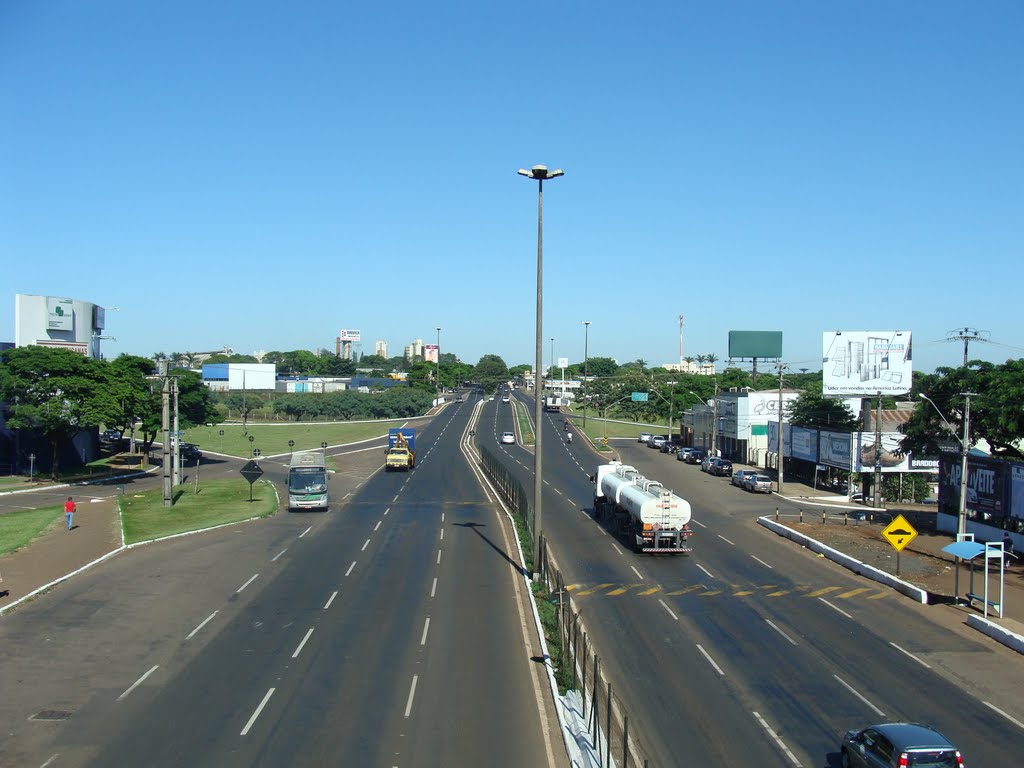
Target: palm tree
(711, 358)
(700, 360)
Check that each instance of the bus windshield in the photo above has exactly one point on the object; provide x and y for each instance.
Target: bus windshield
(309, 481)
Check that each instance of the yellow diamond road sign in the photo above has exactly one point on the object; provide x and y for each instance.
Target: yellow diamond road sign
(899, 533)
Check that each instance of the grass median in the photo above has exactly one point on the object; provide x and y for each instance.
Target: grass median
(18, 528)
(272, 439)
(145, 518)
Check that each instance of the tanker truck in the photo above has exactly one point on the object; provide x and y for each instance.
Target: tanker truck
(651, 516)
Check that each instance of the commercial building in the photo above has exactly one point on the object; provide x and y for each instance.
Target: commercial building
(51, 321)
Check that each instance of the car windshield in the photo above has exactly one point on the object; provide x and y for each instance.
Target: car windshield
(308, 482)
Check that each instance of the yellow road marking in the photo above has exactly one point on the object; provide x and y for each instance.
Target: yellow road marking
(618, 591)
(571, 587)
(594, 589)
(879, 596)
(853, 592)
(684, 591)
(650, 591)
(741, 594)
(823, 591)
(780, 593)
(709, 594)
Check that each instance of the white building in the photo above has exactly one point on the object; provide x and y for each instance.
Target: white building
(380, 348)
(50, 321)
(415, 350)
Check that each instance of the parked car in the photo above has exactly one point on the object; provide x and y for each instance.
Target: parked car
(720, 467)
(696, 456)
(508, 438)
(705, 463)
(643, 437)
(669, 447)
(740, 476)
(657, 441)
(682, 453)
(758, 484)
(898, 744)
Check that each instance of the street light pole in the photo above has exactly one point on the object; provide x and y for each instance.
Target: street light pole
(961, 526)
(438, 362)
(586, 369)
(538, 172)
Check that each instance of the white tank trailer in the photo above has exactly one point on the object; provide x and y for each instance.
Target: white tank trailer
(653, 518)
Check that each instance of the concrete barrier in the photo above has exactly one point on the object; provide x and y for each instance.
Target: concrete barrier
(997, 633)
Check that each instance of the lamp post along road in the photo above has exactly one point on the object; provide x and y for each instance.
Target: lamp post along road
(586, 369)
(538, 172)
(438, 363)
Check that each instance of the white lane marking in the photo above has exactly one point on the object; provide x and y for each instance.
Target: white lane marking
(439, 557)
(250, 581)
(705, 570)
(442, 534)
(994, 708)
(138, 682)
(350, 568)
(377, 525)
(908, 653)
(203, 624)
(365, 545)
(698, 522)
(387, 510)
(442, 517)
(412, 693)
(772, 625)
(306, 531)
(850, 688)
(50, 761)
(638, 574)
(616, 549)
(257, 712)
(711, 661)
(726, 540)
(835, 607)
(394, 499)
(433, 587)
(298, 649)
(278, 554)
(330, 599)
(665, 606)
(782, 746)
(346, 495)
(426, 626)
(762, 562)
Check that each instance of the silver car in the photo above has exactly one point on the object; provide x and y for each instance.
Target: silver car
(740, 476)
(758, 484)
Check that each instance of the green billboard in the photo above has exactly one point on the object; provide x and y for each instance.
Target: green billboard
(755, 344)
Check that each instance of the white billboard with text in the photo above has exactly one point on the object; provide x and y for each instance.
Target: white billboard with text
(864, 363)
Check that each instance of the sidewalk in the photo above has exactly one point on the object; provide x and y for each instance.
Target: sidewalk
(58, 552)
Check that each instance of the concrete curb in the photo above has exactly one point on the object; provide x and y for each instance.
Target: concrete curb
(997, 633)
(79, 483)
(916, 593)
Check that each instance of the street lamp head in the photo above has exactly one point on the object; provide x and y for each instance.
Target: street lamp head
(540, 172)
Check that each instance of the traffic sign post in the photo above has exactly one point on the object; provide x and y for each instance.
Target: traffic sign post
(251, 472)
(899, 533)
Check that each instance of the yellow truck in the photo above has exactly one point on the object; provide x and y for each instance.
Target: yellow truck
(401, 450)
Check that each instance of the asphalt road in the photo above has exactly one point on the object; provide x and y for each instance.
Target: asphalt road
(386, 632)
(752, 651)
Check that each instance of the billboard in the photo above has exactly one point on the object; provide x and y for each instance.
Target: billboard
(759, 344)
(349, 335)
(834, 449)
(986, 487)
(804, 444)
(430, 352)
(773, 437)
(864, 363)
(60, 314)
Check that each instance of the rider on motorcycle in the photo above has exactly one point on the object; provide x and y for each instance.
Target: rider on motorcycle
(568, 436)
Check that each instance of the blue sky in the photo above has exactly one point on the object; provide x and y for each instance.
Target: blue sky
(263, 174)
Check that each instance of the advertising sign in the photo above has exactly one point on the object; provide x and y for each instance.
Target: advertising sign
(890, 457)
(430, 352)
(755, 344)
(986, 481)
(1017, 490)
(804, 444)
(60, 314)
(864, 363)
(773, 438)
(344, 335)
(563, 362)
(75, 346)
(834, 449)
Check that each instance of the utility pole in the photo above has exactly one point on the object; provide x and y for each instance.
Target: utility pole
(961, 527)
(176, 458)
(165, 425)
(782, 441)
(586, 368)
(967, 335)
(682, 321)
(878, 454)
(714, 422)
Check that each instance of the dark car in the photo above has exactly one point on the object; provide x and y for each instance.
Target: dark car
(696, 456)
(898, 744)
(191, 452)
(720, 467)
(110, 436)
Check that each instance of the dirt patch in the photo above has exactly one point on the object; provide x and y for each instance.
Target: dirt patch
(862, 540)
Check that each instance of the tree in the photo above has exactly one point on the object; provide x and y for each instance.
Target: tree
(56, 392)
(490, 371)
(812, 409)
(602, 366)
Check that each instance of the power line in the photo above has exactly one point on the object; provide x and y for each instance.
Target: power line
(966, 336)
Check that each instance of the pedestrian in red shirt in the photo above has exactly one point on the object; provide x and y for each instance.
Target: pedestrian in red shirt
(69, 511)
